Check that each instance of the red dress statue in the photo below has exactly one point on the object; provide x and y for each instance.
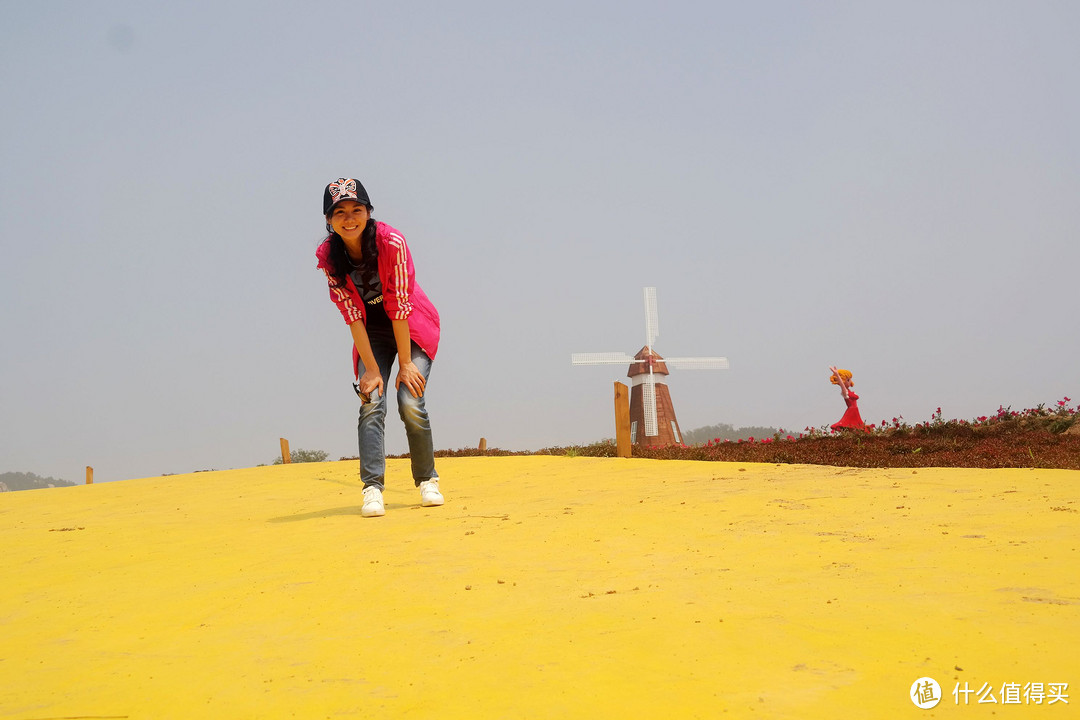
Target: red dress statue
(852, 419)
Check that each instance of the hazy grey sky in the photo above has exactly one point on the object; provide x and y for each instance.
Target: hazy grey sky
(889, 187)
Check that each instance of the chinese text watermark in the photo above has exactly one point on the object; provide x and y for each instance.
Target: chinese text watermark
(926, 693)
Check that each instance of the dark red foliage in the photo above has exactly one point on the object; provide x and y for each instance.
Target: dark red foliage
(934, 447)
(1036, 438)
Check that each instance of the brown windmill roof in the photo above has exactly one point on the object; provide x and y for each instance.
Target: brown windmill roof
(642, 368)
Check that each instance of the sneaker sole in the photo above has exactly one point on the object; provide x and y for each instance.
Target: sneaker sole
(367, 513)
(431, 503)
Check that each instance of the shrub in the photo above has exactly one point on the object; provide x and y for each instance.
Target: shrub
(300, 455)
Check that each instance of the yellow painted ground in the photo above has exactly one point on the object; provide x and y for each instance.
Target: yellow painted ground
(544, 588)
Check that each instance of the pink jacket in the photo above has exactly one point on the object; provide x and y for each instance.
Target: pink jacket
(402, 297)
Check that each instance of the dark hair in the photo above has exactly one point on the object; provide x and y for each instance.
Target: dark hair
(340, 262)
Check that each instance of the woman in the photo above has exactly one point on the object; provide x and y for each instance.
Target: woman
(851, 419)
(370, 273)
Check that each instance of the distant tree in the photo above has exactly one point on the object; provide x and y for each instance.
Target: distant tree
(12, 481)
(724, 431)
(300, 455)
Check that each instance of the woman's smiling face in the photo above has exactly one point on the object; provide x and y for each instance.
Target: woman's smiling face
(349, 218)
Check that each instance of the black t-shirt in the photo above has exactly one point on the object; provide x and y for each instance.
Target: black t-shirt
(370, 288)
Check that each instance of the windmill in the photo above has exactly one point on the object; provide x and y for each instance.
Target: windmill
(650, 401)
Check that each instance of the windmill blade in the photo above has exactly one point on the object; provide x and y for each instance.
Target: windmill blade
(648, 402)
(601, 358)
(698, 363)
(652, 319)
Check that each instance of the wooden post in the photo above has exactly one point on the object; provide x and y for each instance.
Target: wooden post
(482, 447)
(285, 451)
(622, 421)
(89, 475)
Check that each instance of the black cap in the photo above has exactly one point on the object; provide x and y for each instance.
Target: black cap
(344, 189)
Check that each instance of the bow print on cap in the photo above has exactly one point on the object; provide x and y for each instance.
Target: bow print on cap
(343, 189)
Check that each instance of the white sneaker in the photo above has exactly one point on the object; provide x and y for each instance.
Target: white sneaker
(373, 504)
(429, 493)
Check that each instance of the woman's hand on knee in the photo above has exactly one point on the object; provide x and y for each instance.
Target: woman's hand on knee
(371, 381)
(409, 374)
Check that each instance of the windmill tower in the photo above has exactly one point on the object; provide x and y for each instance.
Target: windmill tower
(652, 415)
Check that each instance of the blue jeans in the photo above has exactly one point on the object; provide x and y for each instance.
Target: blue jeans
(372, 423)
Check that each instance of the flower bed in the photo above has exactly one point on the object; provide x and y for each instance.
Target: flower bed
(1039, 437)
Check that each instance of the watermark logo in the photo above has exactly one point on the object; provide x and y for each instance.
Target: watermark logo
(925, 693)
(1013, 693)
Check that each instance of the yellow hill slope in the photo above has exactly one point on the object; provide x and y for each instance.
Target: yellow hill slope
(545, 588)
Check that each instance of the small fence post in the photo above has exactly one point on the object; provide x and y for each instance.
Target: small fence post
(622, 421)
(285, 458)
